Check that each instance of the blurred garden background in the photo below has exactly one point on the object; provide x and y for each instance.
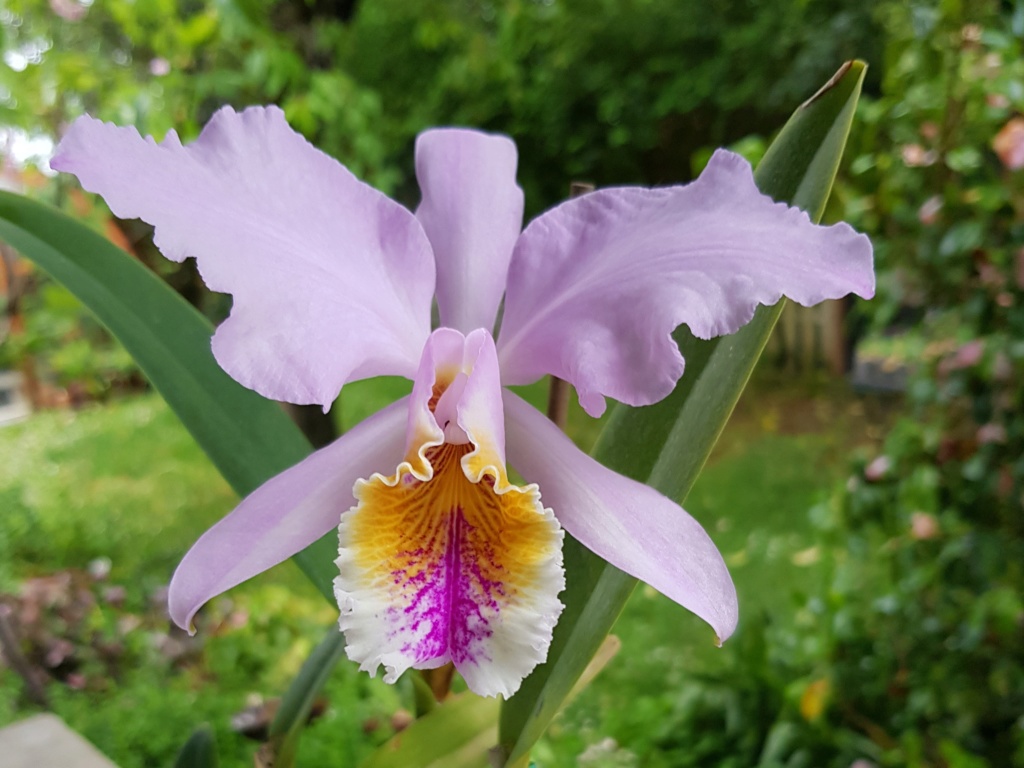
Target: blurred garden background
(868, 494)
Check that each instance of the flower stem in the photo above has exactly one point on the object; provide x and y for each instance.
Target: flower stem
(558, 394)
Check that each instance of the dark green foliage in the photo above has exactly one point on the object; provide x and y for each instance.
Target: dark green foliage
(924, 617)
(616, 91)
(916, 643)
(611, 91)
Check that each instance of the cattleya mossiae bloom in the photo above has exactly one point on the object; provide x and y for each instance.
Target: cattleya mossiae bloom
(442, 558)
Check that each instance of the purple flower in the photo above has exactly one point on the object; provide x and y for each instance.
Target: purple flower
(442, 558)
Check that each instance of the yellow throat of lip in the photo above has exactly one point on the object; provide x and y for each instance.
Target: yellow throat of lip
(409, 524)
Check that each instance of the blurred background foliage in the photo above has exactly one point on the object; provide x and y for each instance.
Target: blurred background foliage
(907, 648)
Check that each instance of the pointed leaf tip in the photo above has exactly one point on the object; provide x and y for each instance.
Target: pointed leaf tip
(855, 68)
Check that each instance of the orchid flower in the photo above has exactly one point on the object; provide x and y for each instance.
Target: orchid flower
(443, 558)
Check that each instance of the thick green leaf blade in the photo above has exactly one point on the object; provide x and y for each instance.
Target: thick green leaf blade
(457, 734)
(247, 437)
(298, 700)
(667, 444)
(200, 751)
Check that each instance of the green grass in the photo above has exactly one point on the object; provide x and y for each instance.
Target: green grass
(127, 483)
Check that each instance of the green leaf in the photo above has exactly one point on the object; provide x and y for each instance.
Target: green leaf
(200, 751)
(666, 444)
(457, 734)
(297, 702)
(248, 438)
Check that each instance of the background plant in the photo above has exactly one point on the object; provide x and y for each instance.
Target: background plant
(911, 652)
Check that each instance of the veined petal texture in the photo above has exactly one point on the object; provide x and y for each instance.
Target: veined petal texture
(286, 513)
(331, 280)
(472, 211)
(597, 285)
(632, 526)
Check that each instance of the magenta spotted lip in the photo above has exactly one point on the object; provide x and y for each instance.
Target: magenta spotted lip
(455, 564)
